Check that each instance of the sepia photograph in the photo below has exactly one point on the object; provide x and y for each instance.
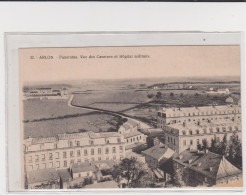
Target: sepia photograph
(131, 117)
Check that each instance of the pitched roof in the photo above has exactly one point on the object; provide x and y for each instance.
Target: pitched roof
(106, 184)
(210, 164)
(105, 164)
(132, 122)
(159, 151)
(42, 175)
(132, 134)
(82, 167)
(64, 175)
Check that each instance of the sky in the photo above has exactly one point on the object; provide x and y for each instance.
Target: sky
(163, 61)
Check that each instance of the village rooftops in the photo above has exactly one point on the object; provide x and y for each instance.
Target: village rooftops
(102, 185)
(159, 152)
(207, 163)
(82, 167)
(42, 175)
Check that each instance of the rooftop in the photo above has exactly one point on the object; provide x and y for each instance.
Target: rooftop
(159, 151)
(132, 134)
(42, 175)
(82, 167)
(64, 175)
(210, 164)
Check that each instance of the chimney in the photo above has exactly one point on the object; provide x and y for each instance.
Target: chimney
(210, 169)
(206, 151)
(190, 161)
(199, 164)
(180, 157)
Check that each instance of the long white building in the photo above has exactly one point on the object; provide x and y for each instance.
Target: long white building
(61, 151)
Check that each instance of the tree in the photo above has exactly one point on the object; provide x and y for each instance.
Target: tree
(150, 96)
(171, 94)
(158, 95)
(177, 179)
(204, 144)
(235, 151)
(181, 95)
(132, 171)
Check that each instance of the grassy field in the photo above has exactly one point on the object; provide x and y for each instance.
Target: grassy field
(96, 122)
(38, 109)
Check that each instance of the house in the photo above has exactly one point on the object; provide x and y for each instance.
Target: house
(229, 100)
(102, 185)
(205, 168)
(159, 156)
(133, 138)
(65, 178)
(86, 169)
(43, 179)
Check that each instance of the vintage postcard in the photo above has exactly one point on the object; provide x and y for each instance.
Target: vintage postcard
(131, 117)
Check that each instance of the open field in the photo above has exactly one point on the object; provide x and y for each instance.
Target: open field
(39, 109)
(93, 121)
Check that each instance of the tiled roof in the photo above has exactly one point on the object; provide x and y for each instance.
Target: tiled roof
(158, 152)
(132, 122)
(42, 175)
(106, 184)
(132, 134)
(83, 167)
(126, 126)
(64, 175)
(210, 164)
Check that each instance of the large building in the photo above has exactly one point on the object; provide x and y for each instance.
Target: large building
(65, 149)
(188, 127)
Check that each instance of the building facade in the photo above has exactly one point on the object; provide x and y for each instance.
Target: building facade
(188, 127)
(65, 149)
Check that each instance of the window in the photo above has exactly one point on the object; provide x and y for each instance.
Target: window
(191, 142)
(99, 158)
(57, 155)
(121, 157)
(85, 152)
(44, 165)
(197, 141)
(37, 166)
(92, 142)
(114, 150)
(106, 150)
(71, 144)
(78, 143)
(190, 132)
(30, 167)
(118, 140)
(205, 130)
(168, 139)
(64, 154)
(230, 128)
(121, 148)
(224, 129)
(140, 137)
(171, 140)
(99, 151)
(92, 151)
(43, 157)
(36, 158)
(114, 157)
(218, 129)
(71, 161)
(30, 158)
(50, 156)
(55, 145)
(65, 163)
(57, 164)
(236, 128)
(78, 152)
(184, 133)
(184, 142)
(197, 131)
(51, 165)
(107, 141)
(211, 130)
(71, 153)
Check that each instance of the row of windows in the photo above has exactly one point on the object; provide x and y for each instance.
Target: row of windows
(211, 130)
(77, 143)
(56, 155)
(204, 113)
(64, 164)
(133, 139)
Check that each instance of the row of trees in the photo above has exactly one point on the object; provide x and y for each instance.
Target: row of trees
(230, 148)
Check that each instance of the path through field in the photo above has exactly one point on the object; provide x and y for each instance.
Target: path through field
(142, 124)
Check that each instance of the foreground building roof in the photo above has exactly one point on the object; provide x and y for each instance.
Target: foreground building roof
(207, 163)
(42, 175)
(159, 152)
